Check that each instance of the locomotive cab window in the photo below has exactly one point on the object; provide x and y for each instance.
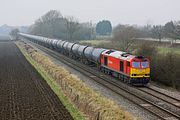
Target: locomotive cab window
(136, 64)
(105, 60)
(144, 64)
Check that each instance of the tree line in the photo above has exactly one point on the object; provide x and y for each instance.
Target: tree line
(169, 30)
(126, 34)
(54, 25)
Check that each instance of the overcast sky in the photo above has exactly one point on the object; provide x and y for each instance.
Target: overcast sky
(25, 12)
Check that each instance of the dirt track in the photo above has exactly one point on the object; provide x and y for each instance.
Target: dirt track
(23, 92)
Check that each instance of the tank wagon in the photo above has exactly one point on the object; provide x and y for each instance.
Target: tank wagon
(125, 66)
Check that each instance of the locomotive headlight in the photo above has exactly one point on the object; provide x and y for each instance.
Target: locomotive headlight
(133, 74)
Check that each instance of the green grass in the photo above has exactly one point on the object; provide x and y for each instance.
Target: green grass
(164, 50)
(55, 87)
(94, 42)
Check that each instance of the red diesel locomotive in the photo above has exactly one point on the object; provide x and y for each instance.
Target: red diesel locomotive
(129, 68)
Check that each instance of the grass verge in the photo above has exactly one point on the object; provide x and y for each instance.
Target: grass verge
(165, 50)
(94, 42)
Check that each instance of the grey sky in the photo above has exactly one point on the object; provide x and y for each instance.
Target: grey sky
(25, 12)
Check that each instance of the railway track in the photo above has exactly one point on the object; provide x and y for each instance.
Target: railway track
(166, 98)
(176, 99)
(125, 91)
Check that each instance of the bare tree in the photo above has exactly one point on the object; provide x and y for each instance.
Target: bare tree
(54, 25)
(177, 29)
(124, 35)
(72, 25)
(51, 16)
(169, 31)
(50, 25)
(14, 34)
(157, 32)
(86, 31)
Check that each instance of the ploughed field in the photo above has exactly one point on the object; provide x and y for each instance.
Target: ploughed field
(23, 92)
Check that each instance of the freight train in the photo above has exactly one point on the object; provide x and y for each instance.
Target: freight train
(125, 66)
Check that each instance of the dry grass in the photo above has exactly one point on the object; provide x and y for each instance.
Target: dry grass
(92, 104)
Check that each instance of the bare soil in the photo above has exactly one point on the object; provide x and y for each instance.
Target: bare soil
(23, 92)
